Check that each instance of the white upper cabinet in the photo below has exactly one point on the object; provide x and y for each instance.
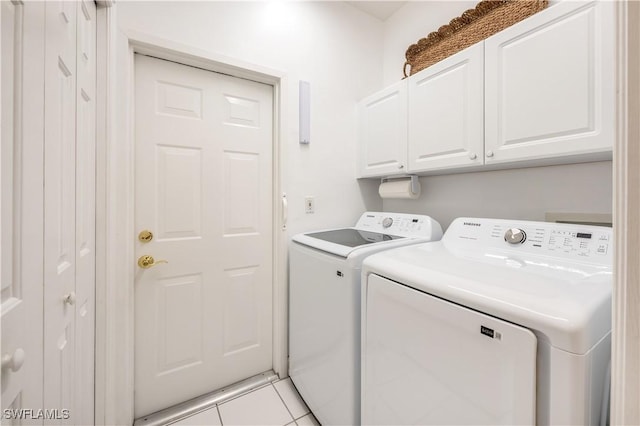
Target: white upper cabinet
(446, 113)
(549, 84)
(539, 92)
(383, 132)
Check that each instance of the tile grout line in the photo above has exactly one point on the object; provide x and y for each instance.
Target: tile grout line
(304, 402)
(284, 403)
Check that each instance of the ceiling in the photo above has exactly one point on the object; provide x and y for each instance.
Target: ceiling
(379, 9)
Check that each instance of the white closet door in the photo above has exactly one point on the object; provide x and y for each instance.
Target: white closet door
(427, 361)
(203, 187)
(21, 121)
(60, 206)
(85, 210)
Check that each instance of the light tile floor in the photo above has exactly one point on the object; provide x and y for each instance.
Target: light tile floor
(277, 403)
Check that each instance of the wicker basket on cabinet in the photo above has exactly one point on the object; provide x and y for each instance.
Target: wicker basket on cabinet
(474, 25)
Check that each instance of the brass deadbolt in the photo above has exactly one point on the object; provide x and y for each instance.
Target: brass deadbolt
(145, 236)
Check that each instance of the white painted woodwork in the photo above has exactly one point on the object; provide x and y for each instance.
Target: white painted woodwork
(625, 368)
(21, 179)
(85, 184)
(550, 84)
(548, 93)
(203, 186)
(446, 113)
(60, 205)
(383, 132)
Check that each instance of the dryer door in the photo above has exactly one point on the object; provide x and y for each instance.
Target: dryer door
(431, 362)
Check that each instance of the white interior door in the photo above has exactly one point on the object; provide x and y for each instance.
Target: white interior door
(203, 187)
(85, 211)
(22, 32)
(60, 206)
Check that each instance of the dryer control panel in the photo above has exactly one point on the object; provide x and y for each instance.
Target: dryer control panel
(400, 224)
(592, 243)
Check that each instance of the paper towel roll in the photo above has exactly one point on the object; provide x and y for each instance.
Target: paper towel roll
(400, 188)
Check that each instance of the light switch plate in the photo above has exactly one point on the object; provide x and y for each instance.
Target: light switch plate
(309, 204)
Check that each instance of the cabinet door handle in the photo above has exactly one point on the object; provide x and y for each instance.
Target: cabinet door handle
(401, 166)
(489, 153)
(472, 156)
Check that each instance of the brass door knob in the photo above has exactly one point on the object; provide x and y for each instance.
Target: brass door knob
(146, 261)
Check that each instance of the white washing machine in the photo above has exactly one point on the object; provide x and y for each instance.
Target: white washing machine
(500, 322)
(324, 307)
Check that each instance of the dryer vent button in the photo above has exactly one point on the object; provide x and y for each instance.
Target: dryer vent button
(515, 236)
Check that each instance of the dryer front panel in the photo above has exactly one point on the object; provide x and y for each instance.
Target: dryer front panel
(428, 361)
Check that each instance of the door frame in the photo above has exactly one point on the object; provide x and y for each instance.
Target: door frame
(625, 348)
(115, 266)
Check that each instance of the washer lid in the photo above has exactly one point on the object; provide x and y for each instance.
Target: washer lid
(352, 237)
(344, 240)
(373, 230)
(561, 289)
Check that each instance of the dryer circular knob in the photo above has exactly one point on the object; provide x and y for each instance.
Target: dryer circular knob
(515, 236)
(387, 222)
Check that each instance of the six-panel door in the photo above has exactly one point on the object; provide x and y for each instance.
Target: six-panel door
(203, 188)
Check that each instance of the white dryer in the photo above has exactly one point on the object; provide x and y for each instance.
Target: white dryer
(500, 322)
(324, 307)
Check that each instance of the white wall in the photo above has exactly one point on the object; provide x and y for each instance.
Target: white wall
(330, 44)
(519, 193)
(414, 21)
(525, 194)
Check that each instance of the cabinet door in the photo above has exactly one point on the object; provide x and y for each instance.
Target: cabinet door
(446, 117)
(550, 85)
(383, 132)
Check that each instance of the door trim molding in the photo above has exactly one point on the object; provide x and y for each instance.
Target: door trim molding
(625, 357)
(115, 198)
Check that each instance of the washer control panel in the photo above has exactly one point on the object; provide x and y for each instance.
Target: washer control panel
(400, 224)
(553, 239)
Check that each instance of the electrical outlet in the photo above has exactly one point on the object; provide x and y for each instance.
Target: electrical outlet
(308, 204)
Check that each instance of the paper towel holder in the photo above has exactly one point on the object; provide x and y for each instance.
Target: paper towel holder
(415, 185)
